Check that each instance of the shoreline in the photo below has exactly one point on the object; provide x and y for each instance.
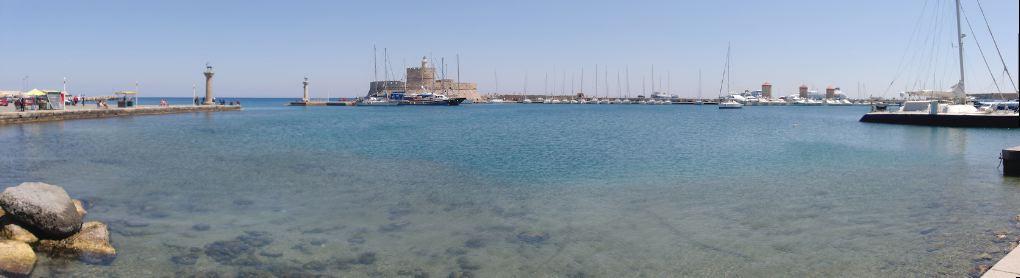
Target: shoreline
(1008, 266)
(12, 118)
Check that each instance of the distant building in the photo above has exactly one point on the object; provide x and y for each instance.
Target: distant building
(803, 92)
(766, 90)
(830, 92)
(423, 79)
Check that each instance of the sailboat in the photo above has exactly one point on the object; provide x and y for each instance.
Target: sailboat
(373, 99)
(729, 103)
(936, 111)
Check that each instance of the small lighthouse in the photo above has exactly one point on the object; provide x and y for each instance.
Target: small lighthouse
(305, 97)
(208, 85)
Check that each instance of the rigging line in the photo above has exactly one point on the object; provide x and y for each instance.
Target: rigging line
(996, 43)
(910, 42)
(926, 47)
(982, 51)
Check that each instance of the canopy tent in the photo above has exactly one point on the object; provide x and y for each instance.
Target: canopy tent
(130, 98)
(35, 93)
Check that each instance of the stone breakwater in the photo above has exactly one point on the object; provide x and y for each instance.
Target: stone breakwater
(39, 217)
(60, 115)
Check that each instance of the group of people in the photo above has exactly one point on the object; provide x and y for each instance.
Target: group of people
(200, 101)
(23, 104)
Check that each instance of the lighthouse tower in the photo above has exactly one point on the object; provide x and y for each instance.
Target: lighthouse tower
(305, 98)
(208, 85)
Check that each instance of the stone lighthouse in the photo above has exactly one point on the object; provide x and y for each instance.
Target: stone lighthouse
(208, 85)
(305, 97)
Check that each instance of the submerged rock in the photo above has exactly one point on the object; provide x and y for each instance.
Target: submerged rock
(16, 259)
(14, 232)
(315, 265)
(533, 237)
(270, 254)
(44, 208)
(461, 274)
(981, 269)
(91, 245)
(200, 227)
(225, 252)
(468, 264)
(395, 226)
(474, 243)
(366, 258)
(255, 238)
(416, 273)
(186, 259)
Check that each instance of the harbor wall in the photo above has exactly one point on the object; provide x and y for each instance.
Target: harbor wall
(60, 115)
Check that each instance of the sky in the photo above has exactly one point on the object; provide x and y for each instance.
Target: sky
(265, 48)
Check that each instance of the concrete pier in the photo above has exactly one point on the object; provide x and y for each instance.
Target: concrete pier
(1008, 267)
(7, 118)
(1011, 161)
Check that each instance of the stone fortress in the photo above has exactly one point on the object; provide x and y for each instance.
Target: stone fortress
(424, 79)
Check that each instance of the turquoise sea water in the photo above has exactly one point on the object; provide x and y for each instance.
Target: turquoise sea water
(525, 191)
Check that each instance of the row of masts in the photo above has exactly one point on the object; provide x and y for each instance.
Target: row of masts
(622, 88)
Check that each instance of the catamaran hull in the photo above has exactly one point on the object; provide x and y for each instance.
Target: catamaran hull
(998, 121)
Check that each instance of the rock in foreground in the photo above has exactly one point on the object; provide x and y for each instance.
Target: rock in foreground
(16, 259)
(91, 245)
(78, 207)
(43, 208)
(11, 231)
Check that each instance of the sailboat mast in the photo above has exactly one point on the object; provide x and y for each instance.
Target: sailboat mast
(525, 82)
(959, 41)
(375, 64)
(627, 69)
(652, 79)
(728, 74)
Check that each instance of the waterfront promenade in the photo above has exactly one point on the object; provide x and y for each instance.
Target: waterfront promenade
(8, 115)
(1009, 266)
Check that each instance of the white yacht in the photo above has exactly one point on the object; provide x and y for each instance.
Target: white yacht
(376, 101)
(730, 104)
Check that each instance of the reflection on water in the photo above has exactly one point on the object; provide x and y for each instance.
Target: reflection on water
(504, 190)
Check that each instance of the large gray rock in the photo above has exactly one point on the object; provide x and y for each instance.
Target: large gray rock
(43, 208)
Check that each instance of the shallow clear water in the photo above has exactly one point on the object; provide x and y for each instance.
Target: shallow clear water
(526, 190)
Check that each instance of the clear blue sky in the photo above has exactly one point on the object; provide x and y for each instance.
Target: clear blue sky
(264, 48)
